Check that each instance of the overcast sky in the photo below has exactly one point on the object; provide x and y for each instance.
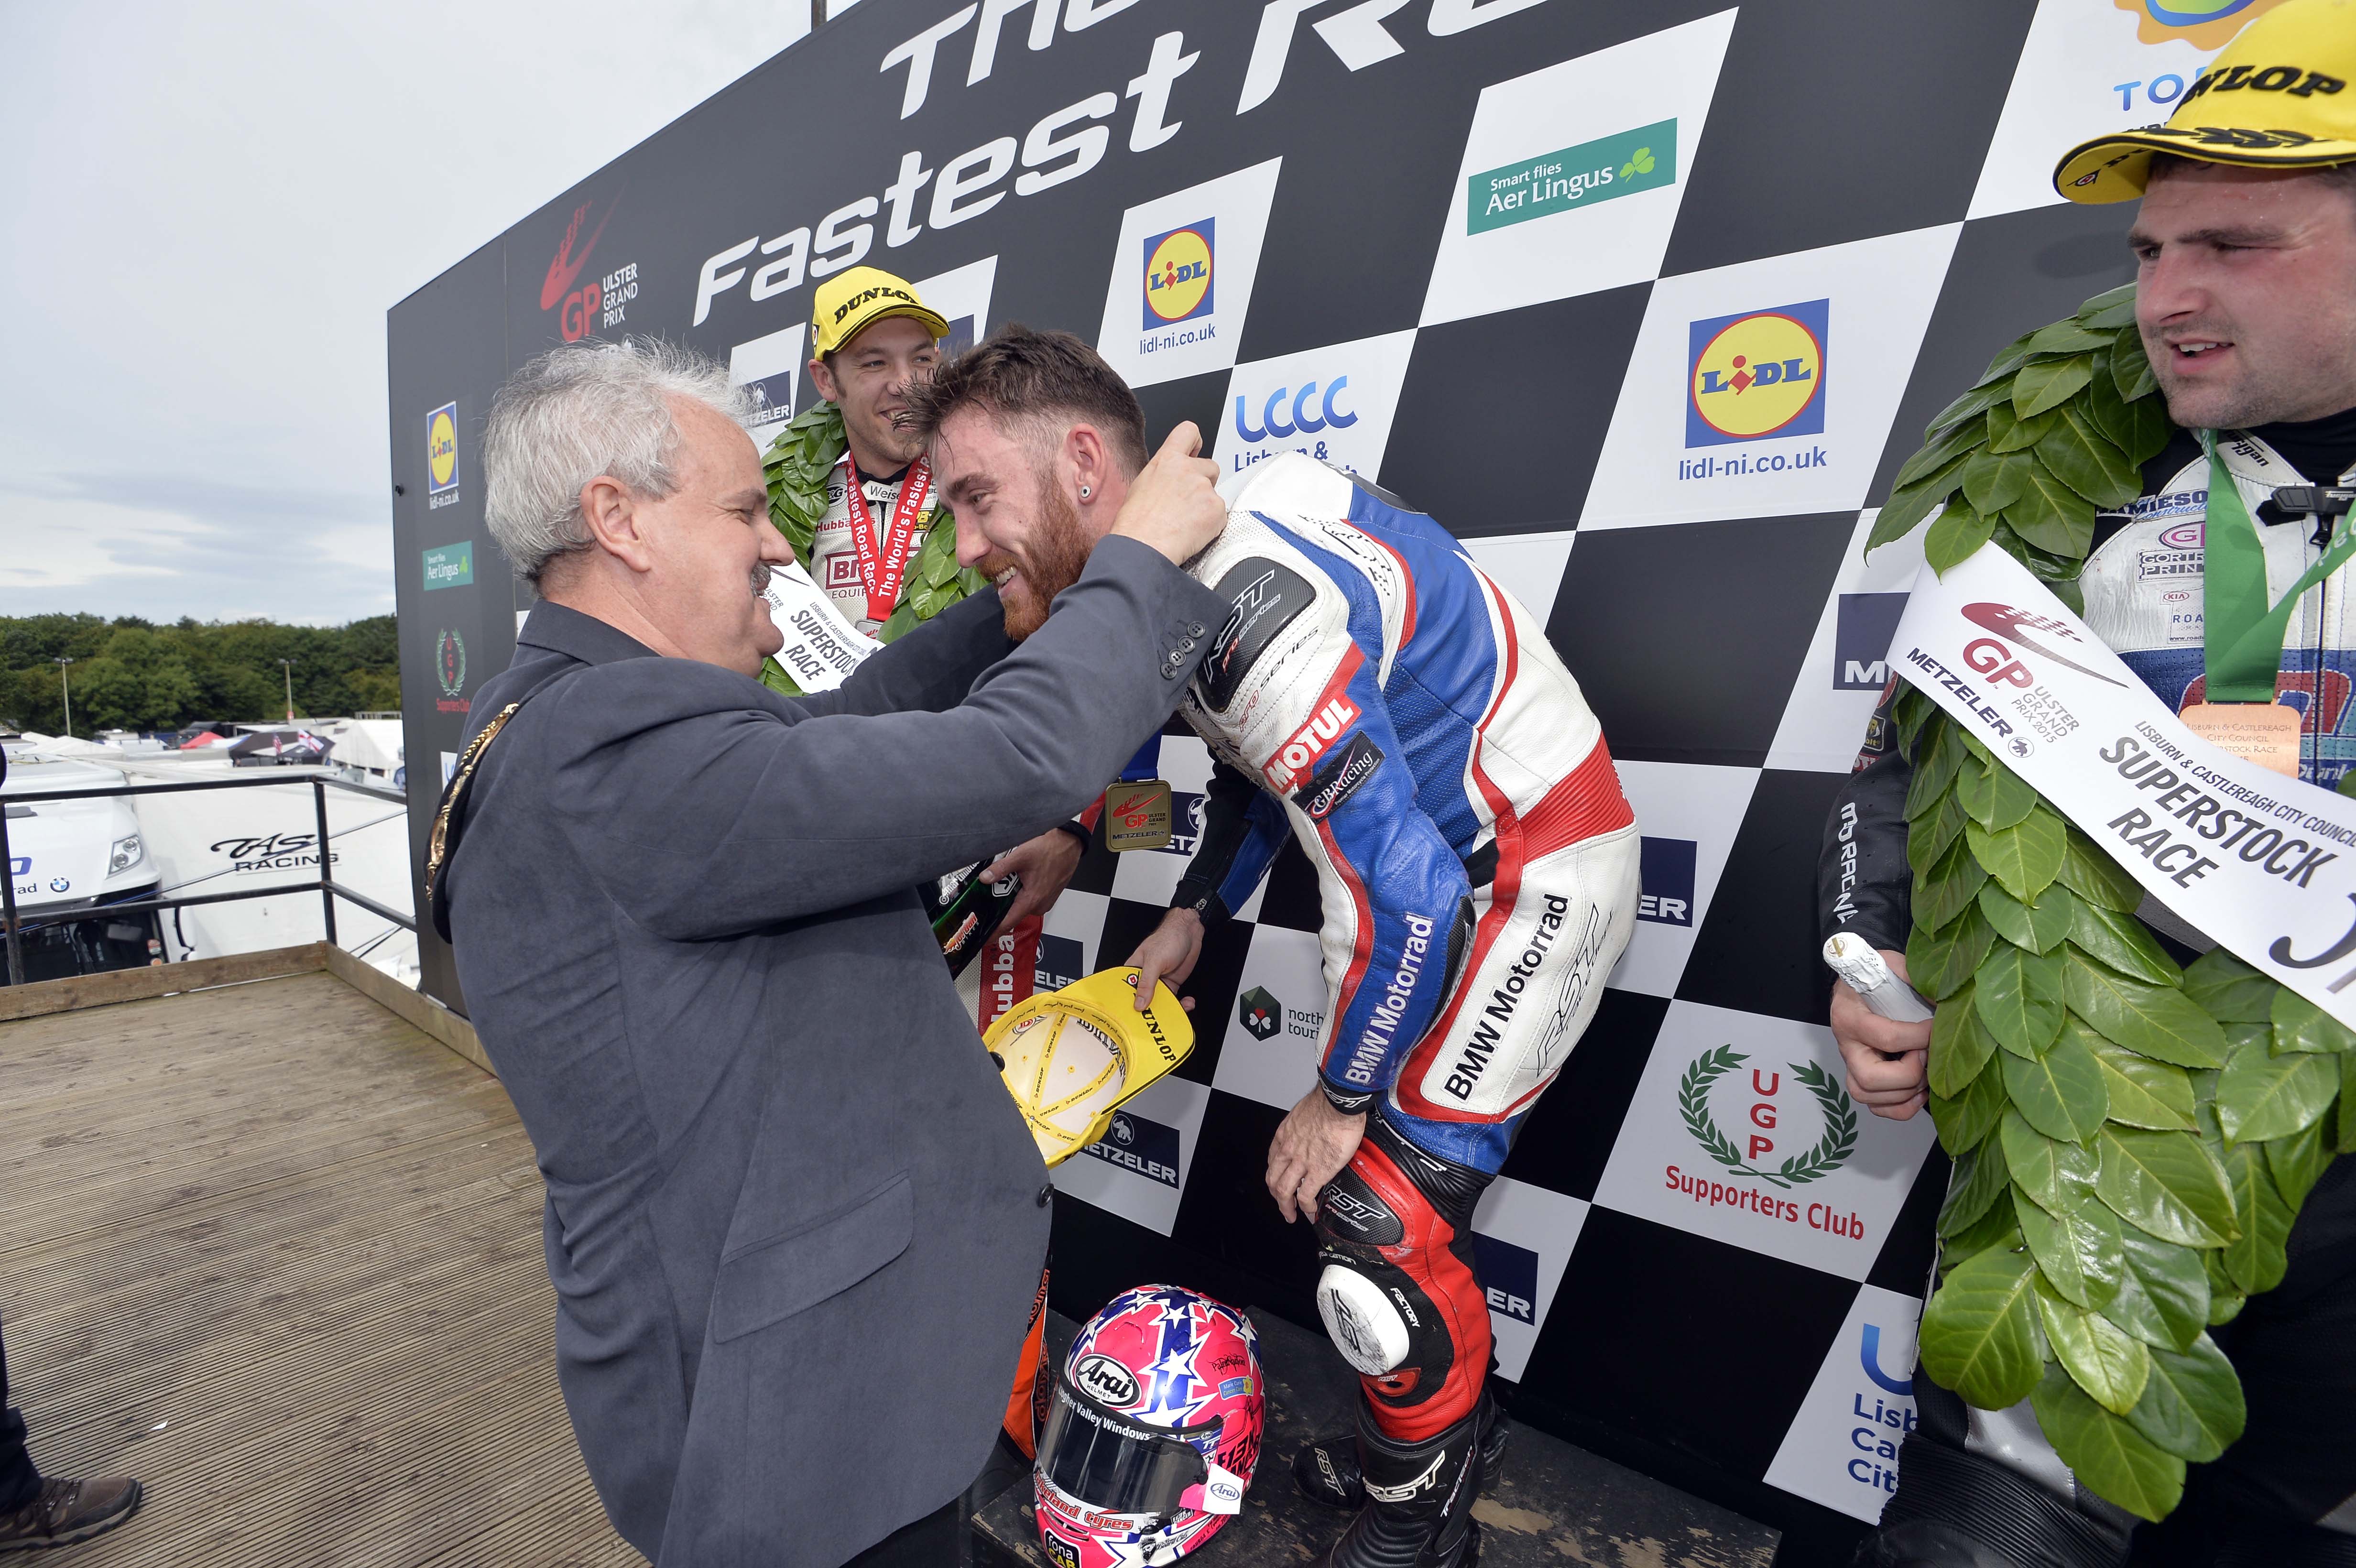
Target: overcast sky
(205, 211)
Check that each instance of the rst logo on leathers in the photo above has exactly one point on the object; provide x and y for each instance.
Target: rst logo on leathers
(1263, 598)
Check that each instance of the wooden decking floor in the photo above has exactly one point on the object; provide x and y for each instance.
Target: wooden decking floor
(277, 1253)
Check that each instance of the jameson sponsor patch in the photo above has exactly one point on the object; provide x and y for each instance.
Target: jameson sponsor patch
(1263, 598)
(1339, 779)
(1642, 159)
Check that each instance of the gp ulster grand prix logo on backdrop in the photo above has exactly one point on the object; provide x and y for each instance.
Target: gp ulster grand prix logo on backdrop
(592, 303)
(1756, 375)
(1178, 274)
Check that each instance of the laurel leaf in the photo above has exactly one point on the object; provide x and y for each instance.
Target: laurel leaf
(1956, 535)
(2086, 460)
(2060, 1092)
(2169, 1183)
(1992, 481)
(1977, 400)
(1978, 1177)
(1934, 834)
(2108, 1454)
(2255, 1259)
(2078, 1250)
(2163, 1297)
(1966, 1120)
(2093, 875)
(1978, 1335)
(2057, 1175)
(2050, 514)
(1936, 762)
(2008, 358)
(2297, 1162)
(2154, 1020)
(1996, 798)
(2008, 430)
(2123, 943)
(2299, 1025)
(2111, 1366)
(1960, 1047)
(2040, 926)
(1999, 1227)
(2192, 1405)
(2110, 309)
(2231, 991)
(2226, 1298)
(1906, 508)
(2130, 370)
(2261, 1096)
(1941, 962)
(2018, 996)
(2043, 384)
(2143, 1093)
(2025, 858)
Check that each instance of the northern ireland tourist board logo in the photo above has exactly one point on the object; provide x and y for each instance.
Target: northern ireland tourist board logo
(442, 455)
(1756, 375)
(1592, 171)
(450, 565)
(1179, 286)
(1260, 1013)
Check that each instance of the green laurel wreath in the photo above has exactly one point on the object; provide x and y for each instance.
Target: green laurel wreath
(1840, 1120)
(795, 467)
(2131, 1140)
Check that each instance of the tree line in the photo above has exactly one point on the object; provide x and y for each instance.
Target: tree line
(132, 674)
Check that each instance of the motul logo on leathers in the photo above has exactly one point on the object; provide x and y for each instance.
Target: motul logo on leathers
(1296, 756)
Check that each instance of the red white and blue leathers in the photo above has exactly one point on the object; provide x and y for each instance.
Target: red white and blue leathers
(1378, 696)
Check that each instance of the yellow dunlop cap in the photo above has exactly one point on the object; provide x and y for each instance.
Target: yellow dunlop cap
(2282, 96)
(850, 302)
(1074, 1056)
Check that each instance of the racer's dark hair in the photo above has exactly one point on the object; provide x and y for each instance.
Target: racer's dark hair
(1016, 373)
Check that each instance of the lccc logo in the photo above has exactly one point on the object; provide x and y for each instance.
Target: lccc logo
(1303, 422)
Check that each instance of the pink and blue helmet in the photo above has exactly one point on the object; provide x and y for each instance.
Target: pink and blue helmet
(1152, 1431)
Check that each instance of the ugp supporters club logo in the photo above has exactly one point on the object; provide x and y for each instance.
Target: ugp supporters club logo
(442, 450)
(1757, 375)
(1766, 1129)
(1178, 274)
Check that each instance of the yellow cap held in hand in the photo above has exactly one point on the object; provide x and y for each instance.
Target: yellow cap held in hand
(2282, 96)
(1072, 1058)
(850, 302)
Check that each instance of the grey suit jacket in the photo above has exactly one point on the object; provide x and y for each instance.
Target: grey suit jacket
(794, 1222)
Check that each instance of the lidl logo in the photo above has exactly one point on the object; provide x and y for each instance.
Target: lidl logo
(1633, 160)
(1178, 268)
(1757, 375)
(442, 449)
(450, 565)
(2203, 24)
(1664, 873)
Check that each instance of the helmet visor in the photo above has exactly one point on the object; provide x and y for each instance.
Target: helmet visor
(1093, 1455)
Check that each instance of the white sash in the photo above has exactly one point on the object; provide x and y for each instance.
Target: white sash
(822, 647)
(2265, 865)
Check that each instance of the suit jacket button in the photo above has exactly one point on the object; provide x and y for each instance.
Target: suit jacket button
(1045, 1193)
(1194, 628)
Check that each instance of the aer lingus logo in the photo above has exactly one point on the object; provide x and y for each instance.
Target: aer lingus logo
(1831, 1150)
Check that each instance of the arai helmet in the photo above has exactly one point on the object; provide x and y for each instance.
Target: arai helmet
(1152, 1431)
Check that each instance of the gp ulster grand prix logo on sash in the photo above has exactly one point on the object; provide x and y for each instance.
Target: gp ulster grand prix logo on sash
(1757, 375)
(1178, 274)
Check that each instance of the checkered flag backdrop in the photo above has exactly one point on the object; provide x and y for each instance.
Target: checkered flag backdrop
(1645, 301)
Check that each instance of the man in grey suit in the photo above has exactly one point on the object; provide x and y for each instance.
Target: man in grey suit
(794, 1222)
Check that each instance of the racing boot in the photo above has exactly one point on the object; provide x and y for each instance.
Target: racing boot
(1326, 1468)
(1419, 1507)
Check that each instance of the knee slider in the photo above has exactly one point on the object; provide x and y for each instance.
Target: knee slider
(1365, 1324)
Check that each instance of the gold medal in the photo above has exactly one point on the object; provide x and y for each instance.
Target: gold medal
(2265, 734)
(1136, 815)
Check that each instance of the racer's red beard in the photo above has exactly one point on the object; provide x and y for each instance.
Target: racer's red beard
(1049, 562)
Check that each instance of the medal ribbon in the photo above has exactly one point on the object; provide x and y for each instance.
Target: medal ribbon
(2241, 633)
(882, 569)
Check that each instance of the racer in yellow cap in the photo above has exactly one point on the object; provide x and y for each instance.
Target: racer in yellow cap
(2245, 303)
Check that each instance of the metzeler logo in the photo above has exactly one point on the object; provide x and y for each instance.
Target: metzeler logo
(1666, 874)
(1762, 1127)
(1060, 963)
(1633, 160)
(1508, 1276)
(1178, 268)
(1138, 1144)
(1756, 375)
(1309, 742)
(1862, 636)
(442, 453)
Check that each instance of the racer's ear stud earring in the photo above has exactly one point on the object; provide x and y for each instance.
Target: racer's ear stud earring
(1085, 492)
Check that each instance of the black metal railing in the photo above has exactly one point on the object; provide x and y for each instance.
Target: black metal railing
(327, 887)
